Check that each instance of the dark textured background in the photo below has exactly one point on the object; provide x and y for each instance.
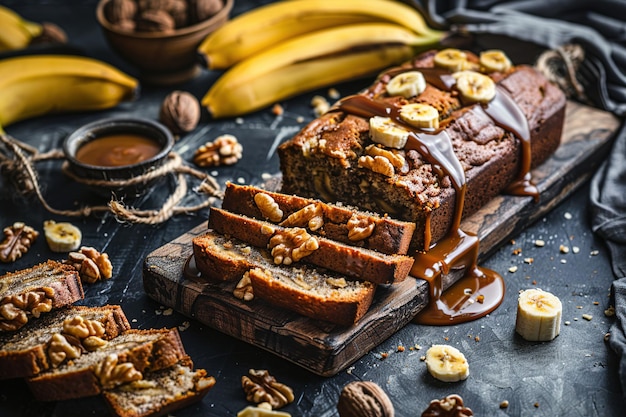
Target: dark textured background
(574, 375)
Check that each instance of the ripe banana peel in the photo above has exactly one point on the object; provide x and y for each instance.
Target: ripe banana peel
(16, 32)
(312, 61)
(36, 85)
(266, 26)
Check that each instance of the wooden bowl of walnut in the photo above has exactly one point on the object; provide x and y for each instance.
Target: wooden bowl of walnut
(160, 37)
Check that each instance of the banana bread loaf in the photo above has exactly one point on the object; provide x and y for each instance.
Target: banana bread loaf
(160, 393)
(336, 222)
(30, 292)
(34, 348)
(123, 359)
(384, 149)
(301, 288)
(291, 244)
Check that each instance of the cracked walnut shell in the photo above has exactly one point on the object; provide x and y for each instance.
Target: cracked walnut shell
(261, 387)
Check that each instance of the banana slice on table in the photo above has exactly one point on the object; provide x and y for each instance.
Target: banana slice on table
(408, 84)
(62, 237)
(384, 131)
(452, 59)
(474, 86)
(494, 60)
(423, 116)
(447, 363)
(538, 315)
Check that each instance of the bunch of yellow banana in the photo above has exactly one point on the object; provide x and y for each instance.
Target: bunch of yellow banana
(293, 46)
(16, 32)
(36, 85)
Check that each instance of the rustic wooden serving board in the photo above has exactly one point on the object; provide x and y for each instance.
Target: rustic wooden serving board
(326, 349)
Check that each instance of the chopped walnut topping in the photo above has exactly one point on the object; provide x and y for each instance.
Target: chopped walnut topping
(14, 309)
(91, 264)
(396, 159)
(377, 164)
(60, 349)
(111, 374)
(291, 245)
(243, 290)
(260, 387)
(17, 240)
(268, 207)
(225, 150)
(360, 227)
(311, 216)
(450, 406)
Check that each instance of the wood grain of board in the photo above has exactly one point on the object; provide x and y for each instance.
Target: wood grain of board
(326, 349)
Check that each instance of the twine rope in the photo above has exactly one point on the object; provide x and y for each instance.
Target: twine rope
(21, 168)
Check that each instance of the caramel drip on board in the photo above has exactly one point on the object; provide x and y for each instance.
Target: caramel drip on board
(480, 290)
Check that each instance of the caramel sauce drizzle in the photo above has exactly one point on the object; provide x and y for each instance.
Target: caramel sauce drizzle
(480, 290)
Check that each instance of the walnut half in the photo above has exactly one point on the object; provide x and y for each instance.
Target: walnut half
(110, 373)
(17, 240)
(291, 245)
(260, 387)
(450, 406)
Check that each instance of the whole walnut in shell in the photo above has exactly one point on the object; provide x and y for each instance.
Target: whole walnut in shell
(203, 9)
(155, 21)
(364, 399)
(180, 112)
(121, 10)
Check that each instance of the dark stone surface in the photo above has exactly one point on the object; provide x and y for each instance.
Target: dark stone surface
(574, 375)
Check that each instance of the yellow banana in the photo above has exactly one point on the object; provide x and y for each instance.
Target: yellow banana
(43, 84)
(266, 26)
(16, 32)
(298, 78)
(302, 64)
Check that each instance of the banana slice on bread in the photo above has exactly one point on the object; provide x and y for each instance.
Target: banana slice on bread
(423, 116)
(408, 84)
(474, 86)
(385, 131)
(494, 60)
(447, 363)
(538, 315)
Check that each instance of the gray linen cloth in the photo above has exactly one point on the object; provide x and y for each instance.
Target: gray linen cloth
(599, 27)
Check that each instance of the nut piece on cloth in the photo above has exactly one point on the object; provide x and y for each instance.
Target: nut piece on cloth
(450, 406)
(180, 112)
(364, 399)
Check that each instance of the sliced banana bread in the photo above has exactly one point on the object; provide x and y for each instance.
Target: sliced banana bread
(123, 359)
(304, 289)
(30, 292)
(337, 222)
(291, 244)
(61, 335)
(160, 392)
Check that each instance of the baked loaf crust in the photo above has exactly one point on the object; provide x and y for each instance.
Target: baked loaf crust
(123, 359)
(351, 261)
(27, 352)
(303, 289)
(336, 222)
(161, 392)
(30, 292)
(322, 160)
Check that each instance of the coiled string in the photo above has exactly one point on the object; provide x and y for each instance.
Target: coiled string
(20, 169)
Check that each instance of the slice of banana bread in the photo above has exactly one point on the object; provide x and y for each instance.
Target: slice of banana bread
(338, 157)
(160, 393)
(291, 244)
(30, 292)
(34, 348)
(123, 359)
(337, 222)
(301, 288)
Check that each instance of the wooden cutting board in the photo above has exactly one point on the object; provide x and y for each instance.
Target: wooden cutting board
(326, 349)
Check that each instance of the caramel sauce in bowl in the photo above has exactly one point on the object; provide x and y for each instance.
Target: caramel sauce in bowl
(114, 150)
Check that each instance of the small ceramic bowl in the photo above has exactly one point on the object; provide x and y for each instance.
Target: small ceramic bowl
(162, 58)
(153, 136)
